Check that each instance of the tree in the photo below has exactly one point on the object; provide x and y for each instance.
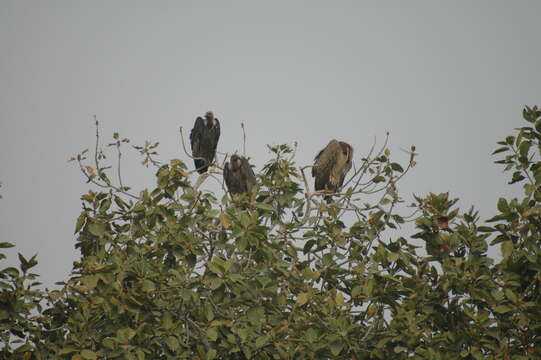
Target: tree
(176, 272)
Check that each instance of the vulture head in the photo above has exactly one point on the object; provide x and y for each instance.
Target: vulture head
(209, 119)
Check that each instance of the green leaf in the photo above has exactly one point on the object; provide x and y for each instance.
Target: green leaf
(538, 126)
(97, 229)
(302, 299)
(502, 309)
(4, 245)
(90, 281)
(339, 298)
(225, 220)
(536, 210)
(261, 341)
(243, 334)
(211, 354)
(212, 266)
(311, 335)
(109, 343)
(336, 348)
(502, 205)
(392, 256)
(172, 343)
(485, 229)
(511, 295)
(371, 310)
(256, 314)
(167, 322)
(80, 222)
(105, 205)
(499, 150)
(507, 248)
(148, 285)
(120, 203)
(212, 333)
(88, 355)
(125, 335)
(208, 312)
(524, 147)
(264, 206)
(397, 167)
(357, 290)
(67, 350)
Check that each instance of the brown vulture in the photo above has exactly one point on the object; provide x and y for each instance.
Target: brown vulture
(239, 176)
(204, 139)
(331, 166)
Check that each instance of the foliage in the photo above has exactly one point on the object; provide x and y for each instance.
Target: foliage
(179, 273)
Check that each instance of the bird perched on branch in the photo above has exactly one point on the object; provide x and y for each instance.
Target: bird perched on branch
(239, 176)
(204, 139)
(331, 166)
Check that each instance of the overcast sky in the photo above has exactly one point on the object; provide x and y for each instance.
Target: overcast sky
(450, 77)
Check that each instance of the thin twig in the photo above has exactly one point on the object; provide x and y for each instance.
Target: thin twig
(118, 169)
(99, 170)
(200, 180)
(244, 140)
(96, 150)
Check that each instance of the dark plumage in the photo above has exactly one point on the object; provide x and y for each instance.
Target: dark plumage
(204, 139)
(239, 176)
(331, 166)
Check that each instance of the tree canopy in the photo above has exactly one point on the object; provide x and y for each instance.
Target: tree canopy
(179, 272)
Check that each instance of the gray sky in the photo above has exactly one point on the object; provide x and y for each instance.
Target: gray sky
(450, 77)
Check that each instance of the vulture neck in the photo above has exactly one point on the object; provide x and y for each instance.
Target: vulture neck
(210, 122)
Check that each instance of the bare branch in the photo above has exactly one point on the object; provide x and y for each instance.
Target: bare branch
(100, 174)
(243, 140)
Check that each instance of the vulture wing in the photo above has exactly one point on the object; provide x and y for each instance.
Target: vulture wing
(195, 135)
(229, 178)
(215, 136)
(344, 162)
(324, 164)
(248, 175)
(196, 141)
(204, 141)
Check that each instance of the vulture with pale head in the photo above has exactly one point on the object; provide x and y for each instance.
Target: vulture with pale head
(331, 166)
(204, 139)
(239, 176)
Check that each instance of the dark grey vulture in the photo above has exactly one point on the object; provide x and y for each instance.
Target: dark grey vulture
(239, 176)
(331, 166)
(204, 139)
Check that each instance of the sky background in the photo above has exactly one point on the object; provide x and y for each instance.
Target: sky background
(450, 77)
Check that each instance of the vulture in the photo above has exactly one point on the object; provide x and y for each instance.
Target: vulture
(331, 166)
(204, 139)
(239, 176)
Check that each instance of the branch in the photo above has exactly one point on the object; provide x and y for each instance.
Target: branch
(244, 140)
(100, 170)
